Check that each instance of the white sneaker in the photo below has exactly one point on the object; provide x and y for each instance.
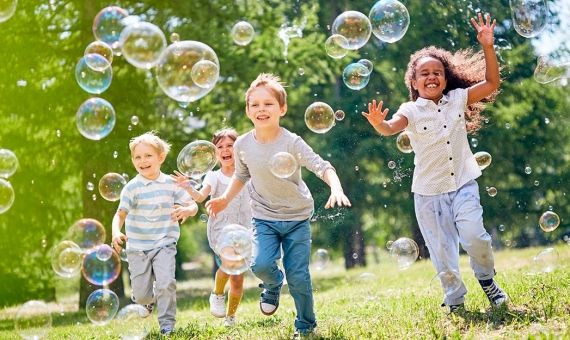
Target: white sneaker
(230, 321)
(218, 305)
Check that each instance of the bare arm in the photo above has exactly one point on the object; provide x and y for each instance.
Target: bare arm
(118, 237)
(337, 194)
(492, 77)
(197, 195)
(215, 205)
(376, 117)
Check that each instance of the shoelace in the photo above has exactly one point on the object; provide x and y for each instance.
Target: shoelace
(493, 292)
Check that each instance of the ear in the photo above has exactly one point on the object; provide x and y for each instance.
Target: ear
(414, 84)
(161, 157)
(283, 109)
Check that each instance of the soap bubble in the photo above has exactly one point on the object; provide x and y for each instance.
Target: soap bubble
(405, 251)
(133, 322)
(483, 159)
(123, 255)
(403, 142)
(283, 165)
(390, 20)
(111, 185)
(33, 320)
(545, 261)
(6, 195)
(104, 252)
(547, 71)
(66, 259)
(8, 163)
(174, 70)
(95, 118)
(108, 25)
(356, 76)
(234, 247)
(205, 73)
(492, 191)
(355, 27)
(529, 16)
(336, 46)
(391, 165)
(242, 33)
(135, 120)
(101, 265)
(549, 221)
(319, 117)
(93, 73)
(141, 44)
(369, 66)
(339, 115)
(102, 49)
(197, 158)
(87, 233)
(321, 259)
(174, 37)
(7, 9)
(101, 306)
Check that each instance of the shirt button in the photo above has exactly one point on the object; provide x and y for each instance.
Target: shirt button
(452, 174)
(438, 110)
(447, 142)
(459, 115)
(425, 128)
(445, 126)
(450, 158)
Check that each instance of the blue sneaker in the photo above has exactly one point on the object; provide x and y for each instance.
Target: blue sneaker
(166, 332)
(269, 300)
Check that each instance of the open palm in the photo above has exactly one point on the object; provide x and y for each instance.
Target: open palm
(484, 29)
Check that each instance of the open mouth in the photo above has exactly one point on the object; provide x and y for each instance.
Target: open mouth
(144, 167)
(262, 117)
(431, 86)
(227, 158)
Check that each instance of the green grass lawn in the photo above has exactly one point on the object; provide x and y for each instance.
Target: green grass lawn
(379, 301)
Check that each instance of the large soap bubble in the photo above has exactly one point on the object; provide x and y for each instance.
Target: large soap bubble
(283, 165)
(174, 70)
(95, 118)
(205, 73)
(110, 186)
(6, 195)
(549, 221)
(108, 25)
(234, 247)
(321, 259)
(142, 44)
(319, 117)
(547, 71)
(403, 142)
(66, 259)
(355, 27)
(483, 159)
(100, 48)
(93, 73)
(356, 76)
(87, 233)
(102, 306)
(390, 20)
(529, 16)
(242, 33)
(101, 265)
(8, 163)
(336, 46)
(197, 158)
(7, 9)
(133, 322)
(405, 251)
(33, 320)
(545, 261)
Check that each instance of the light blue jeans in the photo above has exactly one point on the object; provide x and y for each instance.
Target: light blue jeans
(295, 239)
(448, 220)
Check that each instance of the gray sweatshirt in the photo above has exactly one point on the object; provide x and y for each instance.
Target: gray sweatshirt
(274, 198)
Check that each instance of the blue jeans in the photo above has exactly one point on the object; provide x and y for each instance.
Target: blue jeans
(295, 239)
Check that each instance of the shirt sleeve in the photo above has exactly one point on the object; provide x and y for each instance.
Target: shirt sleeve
(127, 199)
(241, 171)
(211, 180)
(405, 110)
(459, 97)
(181, 196)
(310, 159)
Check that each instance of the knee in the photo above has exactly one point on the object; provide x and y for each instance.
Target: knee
(142, 299)
(299, 281)
(236, 284)
(262, 267)
(165, 286)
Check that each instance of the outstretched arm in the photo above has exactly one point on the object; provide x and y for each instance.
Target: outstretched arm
(214, 206)
(377, 118)
(197, 195)
(337, 196)
(492, 77)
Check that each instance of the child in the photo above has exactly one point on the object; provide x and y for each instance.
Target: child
(281, 207)
(151, 205)
(446, 92)
(238, 211)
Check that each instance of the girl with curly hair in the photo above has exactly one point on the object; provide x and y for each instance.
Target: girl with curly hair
(447, 92)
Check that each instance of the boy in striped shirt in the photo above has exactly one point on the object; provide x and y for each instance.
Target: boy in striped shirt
(151, 206)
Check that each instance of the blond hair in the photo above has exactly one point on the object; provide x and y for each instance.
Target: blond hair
(150, 138)
(272, 83)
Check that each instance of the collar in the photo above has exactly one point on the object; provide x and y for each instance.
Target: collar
(423, 102)
(161, 179)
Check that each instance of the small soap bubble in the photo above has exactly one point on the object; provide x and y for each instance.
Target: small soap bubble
(528, 170)
(391, 164)
(321, 259)
(339, 115)
(242, 33)
(135, 120)
(492, 191)
(549, 221)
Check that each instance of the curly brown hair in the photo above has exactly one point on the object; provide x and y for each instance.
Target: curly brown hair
(463, 69)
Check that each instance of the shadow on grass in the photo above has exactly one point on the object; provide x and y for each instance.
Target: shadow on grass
(498, 317)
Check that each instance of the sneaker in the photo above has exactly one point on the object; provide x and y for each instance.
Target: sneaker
(149, 308)
(455, 308)
(230, 321)
(300, 334)
(269, 300)
(166, 331)
(496, 295)
(218, 305)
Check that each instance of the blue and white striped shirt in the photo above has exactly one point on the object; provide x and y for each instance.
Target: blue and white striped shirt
(148, 204)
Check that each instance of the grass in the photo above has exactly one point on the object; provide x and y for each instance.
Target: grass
(376, 302)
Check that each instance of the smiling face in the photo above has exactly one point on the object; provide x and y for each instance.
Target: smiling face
(429, 78)
(263, 108)
(147, 160)
(225, 151)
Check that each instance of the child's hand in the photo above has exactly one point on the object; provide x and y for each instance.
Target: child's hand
(375, 115)
(214, 206)
(181, 180)
(118, 241)
(484, 30)
(337, 197)
(181, 213)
